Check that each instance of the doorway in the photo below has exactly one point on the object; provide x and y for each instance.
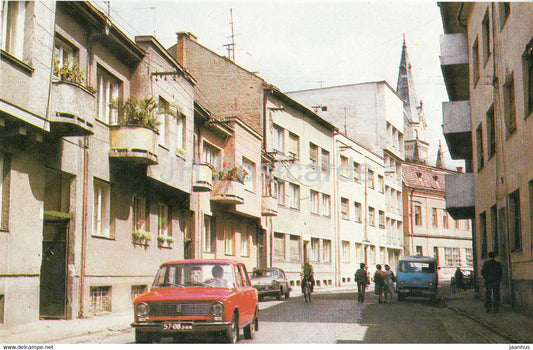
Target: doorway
(53, 281)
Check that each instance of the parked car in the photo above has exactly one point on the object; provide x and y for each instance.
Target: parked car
(197, 296)
(271, 282)
(417, 276)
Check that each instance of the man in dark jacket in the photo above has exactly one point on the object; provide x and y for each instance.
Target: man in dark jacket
(361, 278)
(492, 273)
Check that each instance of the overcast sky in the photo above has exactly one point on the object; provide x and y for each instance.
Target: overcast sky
(298, 45)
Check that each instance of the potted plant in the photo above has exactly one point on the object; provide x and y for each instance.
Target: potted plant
(137, 111)
(235, 173)
(138, 236)
(169, 240)
(70, 72)
(161, 240)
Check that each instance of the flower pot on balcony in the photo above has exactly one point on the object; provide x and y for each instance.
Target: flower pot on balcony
(227, 192)
(135, 143)
(202, 178)
(73, 109)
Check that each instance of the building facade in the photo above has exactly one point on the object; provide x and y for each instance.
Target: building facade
(486, 61)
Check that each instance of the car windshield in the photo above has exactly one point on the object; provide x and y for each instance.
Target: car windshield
(415, 266)
(189, 275)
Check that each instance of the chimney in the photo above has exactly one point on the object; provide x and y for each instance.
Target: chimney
(459, 169)
(181, 47)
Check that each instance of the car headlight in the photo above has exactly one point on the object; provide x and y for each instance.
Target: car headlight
(142, 309)
(217, 308)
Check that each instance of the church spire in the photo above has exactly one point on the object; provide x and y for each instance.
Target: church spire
(406, 87)
(440, 158)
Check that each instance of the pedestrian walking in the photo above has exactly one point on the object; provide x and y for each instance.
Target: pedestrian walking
(388, 289)
(492, 273)
(379, 283)
(361, 278)
(459, 279)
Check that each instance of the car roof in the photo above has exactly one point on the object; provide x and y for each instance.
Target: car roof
(418, 258)
(201, 261)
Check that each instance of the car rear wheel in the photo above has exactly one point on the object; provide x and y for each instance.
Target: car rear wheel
(232, 334)
(142, 337)
(278, 294)
(287, 295)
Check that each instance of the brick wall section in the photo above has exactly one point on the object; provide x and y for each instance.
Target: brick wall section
(230, 90)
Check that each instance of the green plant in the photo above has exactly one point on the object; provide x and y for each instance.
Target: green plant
(169, 239)
(180, 150)
(161, 239)
(137, 111)
(147, 236)
(71, 72)
(236, 173)
(136, 235)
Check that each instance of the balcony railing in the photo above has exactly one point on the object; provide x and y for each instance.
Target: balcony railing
(454, 65)
(73, 109)
(460, 195)
(227, 192)
(457, 128)
(133, 143)
(269, 206)
(202, 178)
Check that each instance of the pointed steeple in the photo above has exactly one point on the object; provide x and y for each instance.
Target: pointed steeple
(440, 158)
(406, 87)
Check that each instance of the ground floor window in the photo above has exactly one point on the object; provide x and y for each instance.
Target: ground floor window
(137, 290)
(279, 246)
(100, 299)
(294, 248)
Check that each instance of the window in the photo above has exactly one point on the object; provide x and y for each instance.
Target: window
(419, 250)
(345, 171)
(504, 11)
(229, 240)
(469, 255)
(326, 204)
(100, 299)
(324, 160)
(101, 209)
(345, 251)
(209, 234)
(528, 80)
(494, 228)
(345, 209)
(278, 139)
(435, 217)
(108, 91)
(326, 252)
(444, 218)
(370, 179)
(245, 241)
(162, 220)
(483, 234)
(475, 61)
(313, 154)
(381, 215)
(137, 290)
(314, 249)
(356, 172)
(294, 145)
(281, 192)
(14, 18)
(180, 131)
(371, 216)
(485, 32)
(491, 133)
(448, 256)
(418, 215)
(294, 248)
(479, 145)
(381, 184)
(139, 213)
(279, 246)
(210, 155)
(314, 202)
(358, 212)
(509, 106)
(456, 257)
(294, 196)
(64, 54)
(164, 108)
(514, 221)
(249, 178)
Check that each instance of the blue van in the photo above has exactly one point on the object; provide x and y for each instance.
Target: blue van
(417, 276)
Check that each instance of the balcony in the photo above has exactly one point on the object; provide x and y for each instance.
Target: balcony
(269, 206)
(202, 178)
(227, 192)
(457, 129)
(134, 143)
(454, 65)
(460, 195)
(73, 109)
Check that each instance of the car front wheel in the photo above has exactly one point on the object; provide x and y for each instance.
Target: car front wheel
(232, 333)
(287, 295)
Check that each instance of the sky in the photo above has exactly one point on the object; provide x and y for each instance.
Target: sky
(297, 45)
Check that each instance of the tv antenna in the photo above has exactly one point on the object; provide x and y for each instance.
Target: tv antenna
(231, 46)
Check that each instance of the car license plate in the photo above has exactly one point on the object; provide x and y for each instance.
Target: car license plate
(175, 326)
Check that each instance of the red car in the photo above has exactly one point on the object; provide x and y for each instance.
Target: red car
(197, 296)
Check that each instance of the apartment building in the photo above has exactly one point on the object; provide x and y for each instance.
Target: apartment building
(301, 144)
(487, 67)
(373, 115)
(92, 198)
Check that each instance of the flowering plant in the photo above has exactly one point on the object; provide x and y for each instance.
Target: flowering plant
(71, 72)
(235, 173)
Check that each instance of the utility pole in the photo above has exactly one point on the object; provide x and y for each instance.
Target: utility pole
(231, 46)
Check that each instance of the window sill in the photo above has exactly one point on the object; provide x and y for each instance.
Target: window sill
(103, 237)
(16, 62)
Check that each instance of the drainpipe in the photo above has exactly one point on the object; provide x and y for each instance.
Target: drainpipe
(336, 225)
(84, 224)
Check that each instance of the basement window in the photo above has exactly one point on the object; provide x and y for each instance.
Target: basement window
(100, 299)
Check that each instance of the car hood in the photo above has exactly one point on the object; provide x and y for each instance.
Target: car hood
(262, 281)
(186, 293)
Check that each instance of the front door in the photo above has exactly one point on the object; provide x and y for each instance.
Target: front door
(52, 303)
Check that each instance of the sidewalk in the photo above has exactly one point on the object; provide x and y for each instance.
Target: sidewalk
(507, 323)
(510, 324)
